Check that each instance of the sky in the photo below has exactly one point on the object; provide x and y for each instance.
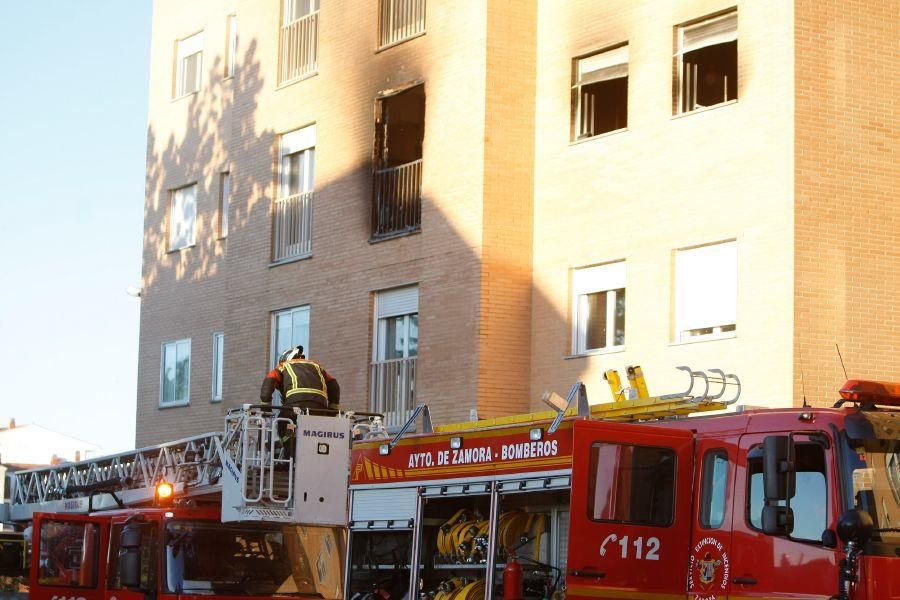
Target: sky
(73, 134)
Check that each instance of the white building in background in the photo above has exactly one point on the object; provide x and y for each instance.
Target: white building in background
(29, 446)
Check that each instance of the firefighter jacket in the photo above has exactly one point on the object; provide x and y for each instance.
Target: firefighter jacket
(302, 383)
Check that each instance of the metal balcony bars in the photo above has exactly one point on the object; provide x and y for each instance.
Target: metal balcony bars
(393, 390)
(293, 226)
(400, 20)
(398, 199)
(299, 47)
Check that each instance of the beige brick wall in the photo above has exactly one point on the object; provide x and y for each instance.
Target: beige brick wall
(800, 170)
(230, 285)
(665, 183)
(847, 229)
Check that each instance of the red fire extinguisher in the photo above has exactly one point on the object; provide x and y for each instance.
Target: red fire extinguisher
(513, 586)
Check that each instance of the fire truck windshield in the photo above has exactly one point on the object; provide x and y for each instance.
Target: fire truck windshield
(874, 465)
(207, 558)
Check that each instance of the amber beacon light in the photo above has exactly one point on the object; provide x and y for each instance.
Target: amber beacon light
(876, 392)
(165, 492)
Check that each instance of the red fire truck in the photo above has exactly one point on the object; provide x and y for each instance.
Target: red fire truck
(212, 516)
(626, 499)
(590, 502)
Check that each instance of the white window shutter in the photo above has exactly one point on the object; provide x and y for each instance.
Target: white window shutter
(399, 301)
(706, 286)
(709, 33)
(611, 64)
(298, 140)
(600, 278)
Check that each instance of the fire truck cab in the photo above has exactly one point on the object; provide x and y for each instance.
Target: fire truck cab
(792, 503)
(133, 554)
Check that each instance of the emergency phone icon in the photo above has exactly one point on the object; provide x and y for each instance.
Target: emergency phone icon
(610, 538)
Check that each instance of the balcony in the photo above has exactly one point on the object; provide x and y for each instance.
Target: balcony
(400, 20)
(299, 43)
(392, 389)
(397, 206)
(293, 227)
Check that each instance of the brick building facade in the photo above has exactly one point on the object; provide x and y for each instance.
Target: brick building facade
(447, 202)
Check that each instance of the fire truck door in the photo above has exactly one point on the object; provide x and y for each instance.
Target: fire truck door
(630, 519)
(68, 557)
(798, 564)
(709, 568)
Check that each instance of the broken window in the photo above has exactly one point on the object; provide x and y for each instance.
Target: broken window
(707, 63)
(600, 93)
(399, 133)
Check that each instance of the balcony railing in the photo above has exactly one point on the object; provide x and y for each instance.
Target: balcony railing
(400, 19)
(397, 206)
(299, 43)
(293, 226)
(393, 389)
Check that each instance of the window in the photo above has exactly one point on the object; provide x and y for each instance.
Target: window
(188, 65)
(182, 217)
(299, 39)
(600, 93)
(289, 328)
(175, 388)
(399, 137)
(706, 291)
(218, 361)
(707, 63)
(293, 208)
(69, 554)
(224, 198)
(396, 346)
(400, 20)
(714, 490)
(810, 501)
(598, 308)
(632, 484)
(230, 45)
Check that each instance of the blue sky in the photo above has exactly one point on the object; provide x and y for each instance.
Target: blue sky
(73, 130)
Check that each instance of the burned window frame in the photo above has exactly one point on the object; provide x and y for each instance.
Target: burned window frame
(397, 184)
(681, 101)
(617, 58)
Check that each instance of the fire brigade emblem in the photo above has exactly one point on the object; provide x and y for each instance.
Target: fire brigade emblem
(709, 570)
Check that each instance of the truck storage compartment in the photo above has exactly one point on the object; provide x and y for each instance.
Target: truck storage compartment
(380, 562)
(454, 547)
(532, 532)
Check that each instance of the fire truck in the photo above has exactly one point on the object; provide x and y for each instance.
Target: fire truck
(631, 499)
(230, 515)
(684, 495)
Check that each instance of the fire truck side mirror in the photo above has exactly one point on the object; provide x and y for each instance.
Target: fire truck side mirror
(779, 468)
(777, 520)
(130, 556)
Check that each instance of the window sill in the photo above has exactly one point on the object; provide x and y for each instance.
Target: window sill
(290, 82)
(706, 338)
(603, 352)
(705, 109)
(174, 405)
(179, 249)
(393, 236)
(216, 401)
(183, 96)
(398, 42)
(598, 136)
(287, 261)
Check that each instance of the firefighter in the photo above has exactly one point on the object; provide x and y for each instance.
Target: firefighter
(302, 383)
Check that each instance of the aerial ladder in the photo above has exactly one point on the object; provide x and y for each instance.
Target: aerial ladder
(246, 467)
